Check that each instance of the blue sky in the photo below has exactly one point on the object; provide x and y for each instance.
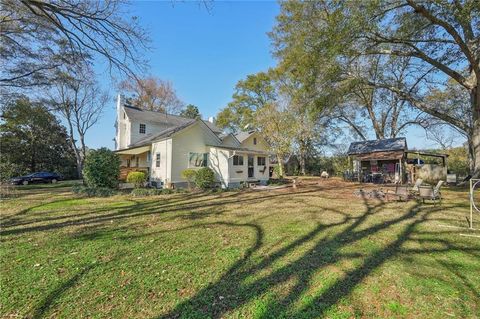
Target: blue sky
(204, 53)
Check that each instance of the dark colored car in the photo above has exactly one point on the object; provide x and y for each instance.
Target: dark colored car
(40, 177)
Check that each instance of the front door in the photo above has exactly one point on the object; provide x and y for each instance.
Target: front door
(250, 166)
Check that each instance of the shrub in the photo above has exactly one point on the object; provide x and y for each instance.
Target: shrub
(204, 178)
(101, 168)
(136, 178)
(93, 191)
(150, 192)
(189, 175)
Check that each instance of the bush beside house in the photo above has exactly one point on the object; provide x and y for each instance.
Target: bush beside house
(189, 175)
(138, 179)
(101, 168)
(205, 178)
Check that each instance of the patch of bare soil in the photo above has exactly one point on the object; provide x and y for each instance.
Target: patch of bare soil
(338, 188)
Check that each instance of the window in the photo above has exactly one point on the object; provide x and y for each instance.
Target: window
(143, 128)
(136, 161)
(124, 115)
(128, 162)
(149, 157)
(261, 161)
(238, 160)
(157, 160)
(254, 141)
(197, 160)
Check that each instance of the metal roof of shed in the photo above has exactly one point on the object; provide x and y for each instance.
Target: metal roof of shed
(389, 144)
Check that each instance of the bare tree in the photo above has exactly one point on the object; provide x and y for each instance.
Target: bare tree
(37, 38)
(80, 102)
(154, 94)
(369, 105)
(441, 134)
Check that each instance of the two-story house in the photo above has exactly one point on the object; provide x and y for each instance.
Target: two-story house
(163, 145)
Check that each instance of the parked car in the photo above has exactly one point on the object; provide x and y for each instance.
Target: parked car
(40, 177)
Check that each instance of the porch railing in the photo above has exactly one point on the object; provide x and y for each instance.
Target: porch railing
(125, 170)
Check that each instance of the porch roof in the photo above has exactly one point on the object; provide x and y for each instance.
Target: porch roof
(390, 155)
(134, 150)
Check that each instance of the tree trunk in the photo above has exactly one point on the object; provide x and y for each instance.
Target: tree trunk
(280, 166)
(474, 145)
(78, 157)
(303, 155)
(33, 159)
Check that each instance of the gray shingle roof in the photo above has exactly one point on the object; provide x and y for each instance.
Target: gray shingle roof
(389, 144)
(158, 117)
(242, 136)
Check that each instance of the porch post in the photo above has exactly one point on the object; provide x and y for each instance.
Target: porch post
(400, 173)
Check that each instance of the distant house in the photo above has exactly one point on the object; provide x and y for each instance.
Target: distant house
(163, 145)
(388, 160)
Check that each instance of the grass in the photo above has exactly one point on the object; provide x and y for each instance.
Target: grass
(317, 251)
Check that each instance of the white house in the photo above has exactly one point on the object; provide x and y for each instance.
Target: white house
(163, 145)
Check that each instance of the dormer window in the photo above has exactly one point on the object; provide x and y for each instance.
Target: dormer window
(143, 128)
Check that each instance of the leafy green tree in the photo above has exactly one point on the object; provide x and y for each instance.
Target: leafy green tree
(250, 94)
(276, 125)
(191, 112)
(440, 38)
(458, 162)
(101, 168)
(33, 140)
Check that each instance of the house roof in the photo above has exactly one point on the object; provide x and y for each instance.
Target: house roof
(159, 117)
(242, 136)
(163, 134)
(389, 144)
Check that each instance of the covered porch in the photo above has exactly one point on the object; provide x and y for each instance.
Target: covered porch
(380, 167)
(134, 160)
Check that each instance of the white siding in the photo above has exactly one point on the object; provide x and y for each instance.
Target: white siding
(192, 139)
(260, 146)
(128, 136)
(218, 162)
(257, 169)
(164, 172)
(240, 173)
(134, 130)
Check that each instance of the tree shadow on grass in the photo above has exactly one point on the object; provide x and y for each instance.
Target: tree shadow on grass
(46, 304)
(236, 288)
(141, 209)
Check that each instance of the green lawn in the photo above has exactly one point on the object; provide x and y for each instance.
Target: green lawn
(315, 252)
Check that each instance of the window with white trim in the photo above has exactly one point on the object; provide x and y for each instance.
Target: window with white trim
(142, 129)
(197, 159)
(157, 160)
(261, 161)
(238, 160)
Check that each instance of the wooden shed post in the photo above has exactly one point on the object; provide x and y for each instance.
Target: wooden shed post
(400, 170)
